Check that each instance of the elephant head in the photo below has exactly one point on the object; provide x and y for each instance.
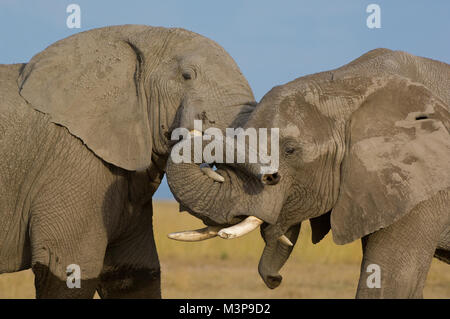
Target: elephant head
(359, 147)
(122, 89)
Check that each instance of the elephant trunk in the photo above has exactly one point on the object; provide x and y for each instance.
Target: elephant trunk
(197, 193)
(275, 253)
(241, 200)
(215, 201)
(196, 189)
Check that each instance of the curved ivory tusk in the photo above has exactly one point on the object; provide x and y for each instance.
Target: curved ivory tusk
(283, 239)
(195, 235)
(241, 229)
(208, 171)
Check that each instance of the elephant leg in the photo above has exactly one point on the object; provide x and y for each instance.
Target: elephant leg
(58, 263)
(81, 254)
(66, 234)
(50, 286)
(401, 255)
(130, 282)
(131, 266)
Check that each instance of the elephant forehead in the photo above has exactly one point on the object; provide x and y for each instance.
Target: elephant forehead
(291, 130)
(190, 58)
(199, 46)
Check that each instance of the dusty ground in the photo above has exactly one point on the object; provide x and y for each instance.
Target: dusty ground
(228, 269)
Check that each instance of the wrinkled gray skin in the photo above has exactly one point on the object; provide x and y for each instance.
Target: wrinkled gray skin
(364, 151)
(84, 139)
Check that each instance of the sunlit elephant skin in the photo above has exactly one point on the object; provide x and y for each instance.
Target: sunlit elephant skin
(85, 132)
(365, 152)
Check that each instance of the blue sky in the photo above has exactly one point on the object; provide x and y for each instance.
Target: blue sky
(273, 42)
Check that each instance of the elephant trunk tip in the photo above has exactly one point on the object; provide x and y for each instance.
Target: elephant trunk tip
(270, 179)
(272, 281)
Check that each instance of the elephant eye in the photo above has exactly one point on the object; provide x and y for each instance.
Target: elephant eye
(289, 150)
(188, 74)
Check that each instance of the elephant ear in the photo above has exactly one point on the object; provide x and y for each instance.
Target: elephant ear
(397, 156)
(90, 84)
(320, 226)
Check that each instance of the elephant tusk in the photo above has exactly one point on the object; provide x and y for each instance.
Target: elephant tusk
(195, 235)
(284, 240)
(241, 229)
(208, 171)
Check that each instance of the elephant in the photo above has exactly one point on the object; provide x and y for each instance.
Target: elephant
(364, 151)
(85, 133)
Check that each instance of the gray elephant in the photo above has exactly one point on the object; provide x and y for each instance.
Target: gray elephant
(85, 131)
(364, 150)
